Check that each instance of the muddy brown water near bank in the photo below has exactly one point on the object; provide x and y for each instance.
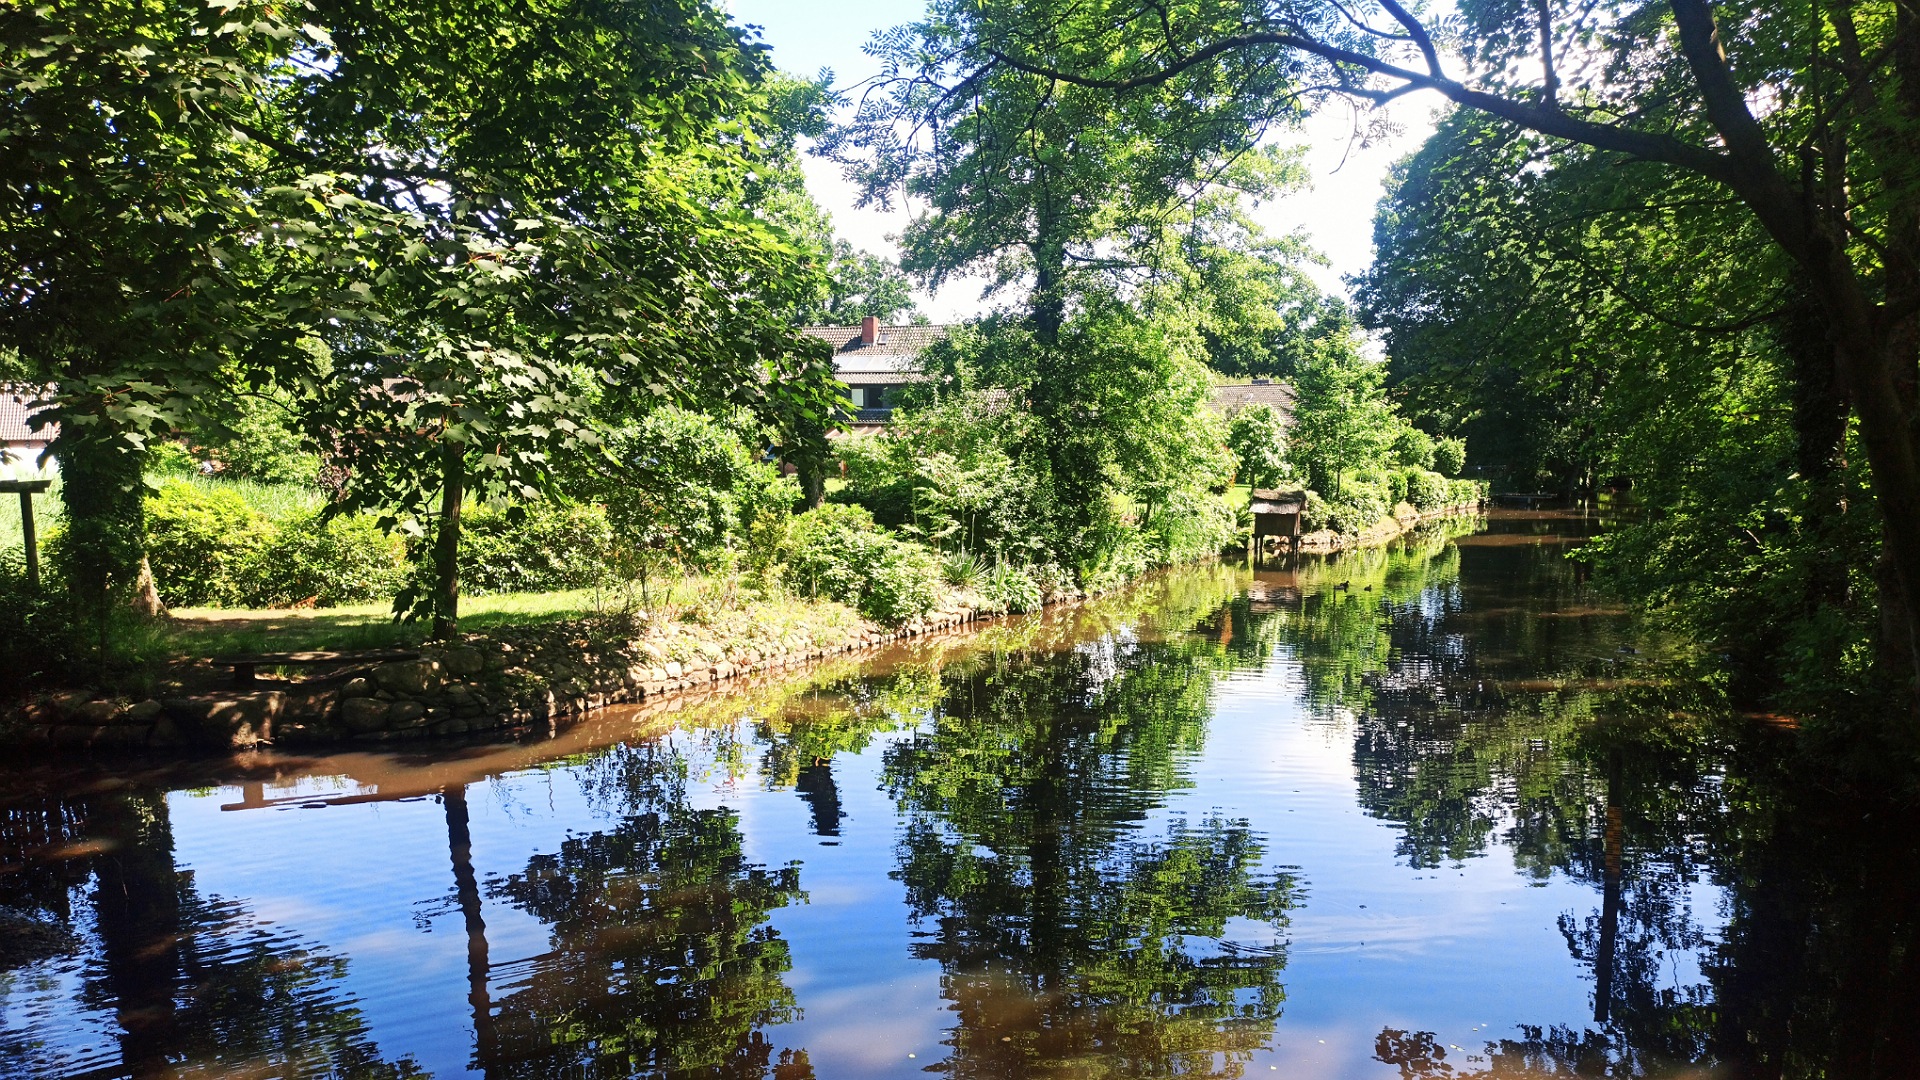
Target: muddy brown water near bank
(1412, 812)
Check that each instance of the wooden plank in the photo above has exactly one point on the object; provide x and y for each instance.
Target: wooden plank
(297, 658)
(25, 487)
(244, 663)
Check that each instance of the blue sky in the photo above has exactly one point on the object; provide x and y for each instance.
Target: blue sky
(1337, 214)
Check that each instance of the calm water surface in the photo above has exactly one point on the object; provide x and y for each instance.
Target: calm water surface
(1418, 812)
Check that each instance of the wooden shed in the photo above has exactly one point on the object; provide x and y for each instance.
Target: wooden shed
(1277, 513)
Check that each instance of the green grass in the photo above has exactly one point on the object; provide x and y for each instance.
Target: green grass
(211, 631)
(279, 502)
(47, 512)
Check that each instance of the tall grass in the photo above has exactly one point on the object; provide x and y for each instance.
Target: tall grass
(48, 511)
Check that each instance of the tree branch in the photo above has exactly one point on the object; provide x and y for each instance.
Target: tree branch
(1551, 122)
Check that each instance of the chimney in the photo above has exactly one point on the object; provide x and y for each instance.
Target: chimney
(869, 330)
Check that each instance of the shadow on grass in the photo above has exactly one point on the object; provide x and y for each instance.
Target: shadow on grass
(201, 632)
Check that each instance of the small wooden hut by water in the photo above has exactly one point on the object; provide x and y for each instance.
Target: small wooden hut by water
(1277, 513)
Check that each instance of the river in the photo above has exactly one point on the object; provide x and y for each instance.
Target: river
(1430, 810)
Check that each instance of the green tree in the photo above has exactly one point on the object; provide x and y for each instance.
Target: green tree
(1343, 424)
(1824, 170)
(477, 253)
(1258, 438)
(859, 284)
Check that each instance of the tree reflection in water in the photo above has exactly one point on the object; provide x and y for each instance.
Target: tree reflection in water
(1074, 938)
(1647, 791)
(197, 985)
(662, 962)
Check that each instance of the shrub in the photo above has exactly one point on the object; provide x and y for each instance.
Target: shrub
(1449, 456)
(901, 586)
(838, 552)
(538, 547)
(1427, 490)
(1189, 524)
(1013, 589)
(199, 538)
(345, 560)
(258, 442)
(962, 569)
(1466, 491)
(1413, 449)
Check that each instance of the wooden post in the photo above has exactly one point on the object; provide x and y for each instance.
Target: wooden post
(33, 545)
(27, 489)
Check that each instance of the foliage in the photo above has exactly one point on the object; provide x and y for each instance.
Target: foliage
(201, 538)
(962, 569)
(1449, 456)
(256, 437)
(860, 284)
(1013, 589)
(540, 547)
(403, 216)
(685, 491)
(1343, 424)
(838, 552)
(1258, 438)
(326, 562)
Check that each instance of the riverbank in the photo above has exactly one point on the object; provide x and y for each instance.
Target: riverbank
(504, 680)
(1403, 519)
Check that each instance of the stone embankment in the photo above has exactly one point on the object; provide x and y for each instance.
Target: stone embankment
(525, 679)
(1404, 517)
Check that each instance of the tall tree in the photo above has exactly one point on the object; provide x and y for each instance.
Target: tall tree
(1803, 112)
(442, 238)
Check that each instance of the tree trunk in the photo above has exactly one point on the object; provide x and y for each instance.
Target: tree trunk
(446, 540)
(103, 489)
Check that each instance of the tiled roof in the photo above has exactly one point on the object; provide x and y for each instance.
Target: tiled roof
(905, 341)
(16, 417)
(892, 356)
(1239, 395)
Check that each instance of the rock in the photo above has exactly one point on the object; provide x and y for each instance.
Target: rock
(675, 669)
(358, 686)
(405, 712)
(464, 663)
(144, 712)
(73, 737)
(97, 712)
(227, 720)
(410, 677)
(361, 715)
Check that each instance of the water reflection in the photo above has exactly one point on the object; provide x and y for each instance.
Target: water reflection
(196, 985)
(1162, 834)
(1070, 937)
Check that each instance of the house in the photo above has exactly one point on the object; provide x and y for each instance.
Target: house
(874, 362)
(20, 445)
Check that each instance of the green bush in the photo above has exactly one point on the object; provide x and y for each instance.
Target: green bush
(962, 569)
(540, 547)
(346, 560)
(902, 587)
(199, 540)
(838, 552)
(1460, 492)
(1449, 456)
(1427, 490)
(1013, 589)
(1413, 449)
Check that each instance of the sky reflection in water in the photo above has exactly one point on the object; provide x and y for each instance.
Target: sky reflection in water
(1403, 813)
